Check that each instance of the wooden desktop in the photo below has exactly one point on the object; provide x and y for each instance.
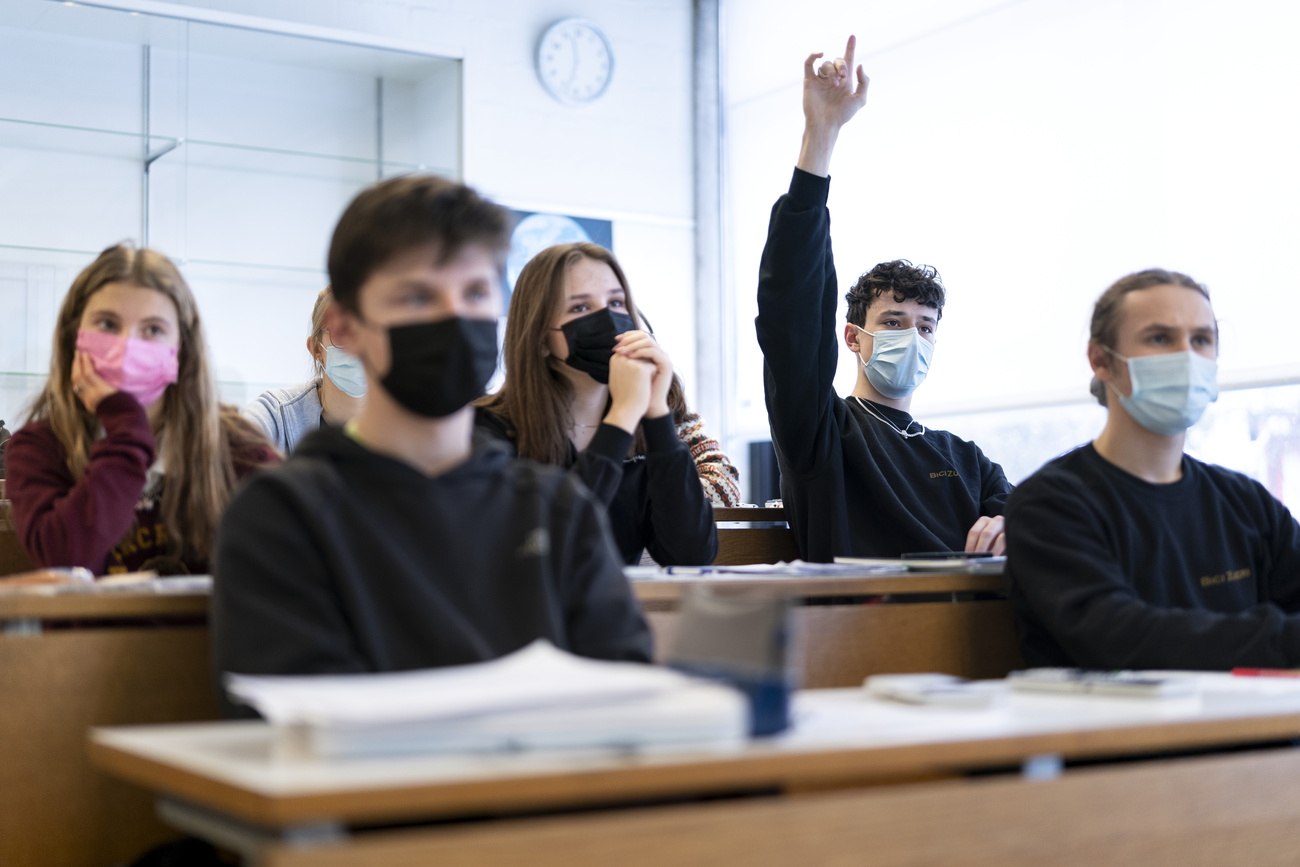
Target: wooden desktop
(856, 780)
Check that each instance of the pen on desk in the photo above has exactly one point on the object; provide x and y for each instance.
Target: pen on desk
(688, 570)
(1266, 672)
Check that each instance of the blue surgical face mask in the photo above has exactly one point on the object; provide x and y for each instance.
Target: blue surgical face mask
(899, 361)
(1170, 390)
(345, 371)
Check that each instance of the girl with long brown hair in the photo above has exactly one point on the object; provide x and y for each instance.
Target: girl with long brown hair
(127, 459)
(587, 389)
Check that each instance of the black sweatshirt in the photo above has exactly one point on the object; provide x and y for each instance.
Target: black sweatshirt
(1107, 571)
(851, 484)
(344, 560)
(655, 501)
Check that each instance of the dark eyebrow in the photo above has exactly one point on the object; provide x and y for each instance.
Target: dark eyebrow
(1159, 327)
(415, 284)
(904, 313)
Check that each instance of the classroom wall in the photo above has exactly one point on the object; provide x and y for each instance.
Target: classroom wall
(628, 158)
(1034, 152)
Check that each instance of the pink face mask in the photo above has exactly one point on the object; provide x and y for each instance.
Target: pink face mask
(141, 368)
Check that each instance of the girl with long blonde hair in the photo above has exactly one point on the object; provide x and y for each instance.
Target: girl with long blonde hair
(127, 458)
(588, 389)
(333, 396)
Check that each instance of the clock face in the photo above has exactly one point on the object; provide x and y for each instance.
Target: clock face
(574, 62)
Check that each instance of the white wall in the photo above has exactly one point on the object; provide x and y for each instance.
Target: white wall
(1034, 152)
(627, 158)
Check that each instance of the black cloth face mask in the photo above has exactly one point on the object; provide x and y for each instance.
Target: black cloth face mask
(435, 368)
(591, 340)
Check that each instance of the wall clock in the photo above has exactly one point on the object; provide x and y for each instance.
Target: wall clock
(574, 61)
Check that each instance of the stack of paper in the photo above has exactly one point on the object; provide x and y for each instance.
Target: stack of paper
(956, 564)
(536, 698)
(756, 571)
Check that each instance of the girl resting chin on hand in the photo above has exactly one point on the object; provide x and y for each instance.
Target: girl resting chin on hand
(127, 459)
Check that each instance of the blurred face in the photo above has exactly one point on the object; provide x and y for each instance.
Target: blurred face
(1154, 321)
(412, 288)
(128, 310)
(589, 285)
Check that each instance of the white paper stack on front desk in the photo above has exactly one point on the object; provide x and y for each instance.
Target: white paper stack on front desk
(536, 698)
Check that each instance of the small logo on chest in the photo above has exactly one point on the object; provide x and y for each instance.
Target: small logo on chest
(946, 474)
(536, 544)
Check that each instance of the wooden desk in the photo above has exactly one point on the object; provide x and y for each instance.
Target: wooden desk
(742, 538)
(874, 777)
(842, 643)
(131, 658)
(13, 558)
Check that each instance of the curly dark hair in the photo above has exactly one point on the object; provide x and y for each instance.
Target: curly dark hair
(902, 280)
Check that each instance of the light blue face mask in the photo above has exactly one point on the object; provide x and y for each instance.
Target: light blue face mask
(345, 371)
(899, 361)
(1170, 390)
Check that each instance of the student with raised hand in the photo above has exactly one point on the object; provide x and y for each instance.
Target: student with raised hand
(334, 396)
(401, 540)
(588, 390)
(1128, 553)
(859, 476)
(128, 459)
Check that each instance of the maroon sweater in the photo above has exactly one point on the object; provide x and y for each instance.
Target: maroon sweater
(105, 522)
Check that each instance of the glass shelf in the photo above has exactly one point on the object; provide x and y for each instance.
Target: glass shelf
(44, 136)
(183, 264)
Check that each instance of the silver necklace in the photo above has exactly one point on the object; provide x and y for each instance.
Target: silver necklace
(902, 432)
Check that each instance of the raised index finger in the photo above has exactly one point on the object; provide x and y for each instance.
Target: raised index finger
(848, 51)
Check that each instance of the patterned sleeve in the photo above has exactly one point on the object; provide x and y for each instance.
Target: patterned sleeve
(721, 480)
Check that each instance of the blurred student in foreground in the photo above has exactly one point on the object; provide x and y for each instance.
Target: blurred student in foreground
(399, 541)
(1128, 553)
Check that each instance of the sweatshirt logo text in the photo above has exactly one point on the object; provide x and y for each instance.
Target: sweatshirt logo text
(1224, 577)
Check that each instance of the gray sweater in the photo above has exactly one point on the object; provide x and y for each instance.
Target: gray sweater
(286, 414)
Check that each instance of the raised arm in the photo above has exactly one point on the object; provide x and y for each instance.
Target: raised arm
(797, 286)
